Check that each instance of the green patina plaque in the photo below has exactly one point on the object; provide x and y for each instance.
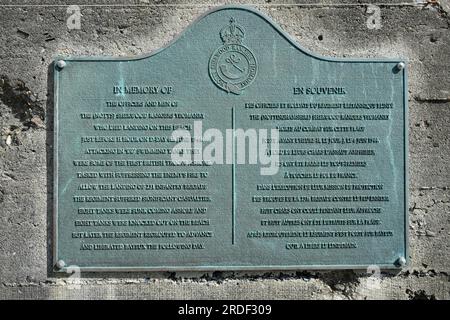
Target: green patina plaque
(231, 148)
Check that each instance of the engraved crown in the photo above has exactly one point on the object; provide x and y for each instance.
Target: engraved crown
(232, 33)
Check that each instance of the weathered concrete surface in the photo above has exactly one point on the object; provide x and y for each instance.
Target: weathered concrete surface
(31, 36)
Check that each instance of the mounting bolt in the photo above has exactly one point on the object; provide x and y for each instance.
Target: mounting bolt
(401, 262)
(60, 64)
(60, 264)
(401, 66)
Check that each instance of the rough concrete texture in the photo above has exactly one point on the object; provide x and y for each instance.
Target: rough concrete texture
(32, 36)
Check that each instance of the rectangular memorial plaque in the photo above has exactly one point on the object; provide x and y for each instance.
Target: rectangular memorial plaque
(232, 148)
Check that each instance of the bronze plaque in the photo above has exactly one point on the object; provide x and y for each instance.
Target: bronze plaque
(231, 148)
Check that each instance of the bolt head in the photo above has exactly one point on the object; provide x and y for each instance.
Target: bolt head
(60, 64)
(60, 264)
(401, 262)
(401, 65)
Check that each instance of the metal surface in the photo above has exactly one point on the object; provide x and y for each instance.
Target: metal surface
(338, 201)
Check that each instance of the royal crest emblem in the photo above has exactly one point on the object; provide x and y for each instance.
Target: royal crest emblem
(232, 67)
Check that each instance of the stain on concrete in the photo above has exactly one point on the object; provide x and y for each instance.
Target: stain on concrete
(24, 104)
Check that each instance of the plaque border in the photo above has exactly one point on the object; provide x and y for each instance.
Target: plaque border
(56, 86)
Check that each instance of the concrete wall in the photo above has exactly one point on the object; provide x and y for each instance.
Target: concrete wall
(31, 36)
